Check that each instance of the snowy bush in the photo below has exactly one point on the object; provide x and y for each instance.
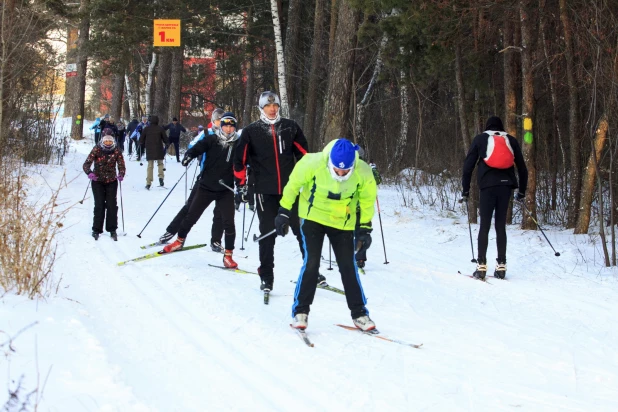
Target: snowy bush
(27, 232)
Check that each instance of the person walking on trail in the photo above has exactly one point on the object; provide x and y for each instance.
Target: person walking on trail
(218, 166)
(273, 144)
(496, 154)
(106, 157)
(216, 232)
(97, 130)
(136, 137)
(330, 184)
(130, 129)
(121, 133)
(175, 129)
(153, 139)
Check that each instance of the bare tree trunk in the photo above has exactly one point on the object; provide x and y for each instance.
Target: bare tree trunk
(176, 82)
(404, 102)
(161, 101)
(117, 92)
(528, 110)
(336, 107)
(463, 122)
(360, 107)
(283, 93)
(249, 68)
(317, 55)
(574, 140)
(334, 7)
(510, 90)
(77, 127)
(589, 176)
(292, 56)
(130, 96)
(148, 94)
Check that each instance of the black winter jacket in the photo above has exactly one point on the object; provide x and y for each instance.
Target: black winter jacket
(154, 139)
(175, 130)
(273, 150)
(488, 176)
(218, 163)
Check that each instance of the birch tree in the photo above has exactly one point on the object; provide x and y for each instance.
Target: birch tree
(283, 93)
(148, 92)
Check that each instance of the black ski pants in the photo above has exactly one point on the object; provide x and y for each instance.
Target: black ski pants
(176, 142)
(493, 199)
(131, 143)
(224, 200)
(105, 206)
(342, 242)
(267, 210)
(216, 231)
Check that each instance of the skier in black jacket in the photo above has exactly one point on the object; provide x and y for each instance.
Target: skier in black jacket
(219, 148)
(496, 154)
(273, 144)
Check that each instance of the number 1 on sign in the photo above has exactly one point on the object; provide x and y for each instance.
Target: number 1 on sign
(162, 34)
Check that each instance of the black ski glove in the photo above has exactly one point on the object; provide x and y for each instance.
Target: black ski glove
(520, 197)
(282, 222)
(186, 160)
(363, 236)
(464, 197)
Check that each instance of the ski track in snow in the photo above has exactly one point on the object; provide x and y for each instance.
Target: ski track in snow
(172, 334)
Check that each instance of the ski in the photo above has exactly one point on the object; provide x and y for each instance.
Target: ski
(361, 270)
(303, 335)
(148, 246)
(472, 277)
(237, 270)
(158, 254)
(326, 286)
(376, 334)
(266, 297)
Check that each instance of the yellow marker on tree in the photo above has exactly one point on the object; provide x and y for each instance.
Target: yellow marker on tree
(528, 130)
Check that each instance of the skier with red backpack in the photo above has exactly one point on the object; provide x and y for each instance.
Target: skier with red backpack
(496, 153)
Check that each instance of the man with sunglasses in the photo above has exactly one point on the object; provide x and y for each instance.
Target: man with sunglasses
(272, 145)
(334, 183)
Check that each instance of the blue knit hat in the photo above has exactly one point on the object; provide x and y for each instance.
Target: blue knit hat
(343, 154)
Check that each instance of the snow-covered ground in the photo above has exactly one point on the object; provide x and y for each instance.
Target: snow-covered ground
(173, 334)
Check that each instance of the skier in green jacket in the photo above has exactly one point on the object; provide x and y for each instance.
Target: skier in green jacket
(331, 185)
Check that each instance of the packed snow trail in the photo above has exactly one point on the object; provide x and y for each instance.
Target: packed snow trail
(175, 334)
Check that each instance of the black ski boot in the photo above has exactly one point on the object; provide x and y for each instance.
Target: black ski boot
(500, 272)
(481, 271)
(147, 187)
(166, 237)
(160, 182)
(321, 279)
(267, 285)
(114, 236)
(216, 247)
(95, 235)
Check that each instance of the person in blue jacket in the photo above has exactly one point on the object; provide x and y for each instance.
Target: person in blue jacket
(97, 130)
(216, 232)
(175, 129)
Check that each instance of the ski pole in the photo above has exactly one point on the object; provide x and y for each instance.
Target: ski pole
(121, 208)
(81, 202)
(381, 230)
(186, 184)
(469, 230)
(197, 166)
(540, 228)
(168, 195)
(242, 241)
(250, 224)
(257, 239)
(330, 261)
(223, 184)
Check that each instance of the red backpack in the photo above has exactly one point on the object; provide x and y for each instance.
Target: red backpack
(500, 154)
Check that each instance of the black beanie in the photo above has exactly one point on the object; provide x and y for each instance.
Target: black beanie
(494, 123)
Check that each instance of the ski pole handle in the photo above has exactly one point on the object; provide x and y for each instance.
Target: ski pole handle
(257, 239)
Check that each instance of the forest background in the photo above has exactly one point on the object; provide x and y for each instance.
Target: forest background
(411, 82)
